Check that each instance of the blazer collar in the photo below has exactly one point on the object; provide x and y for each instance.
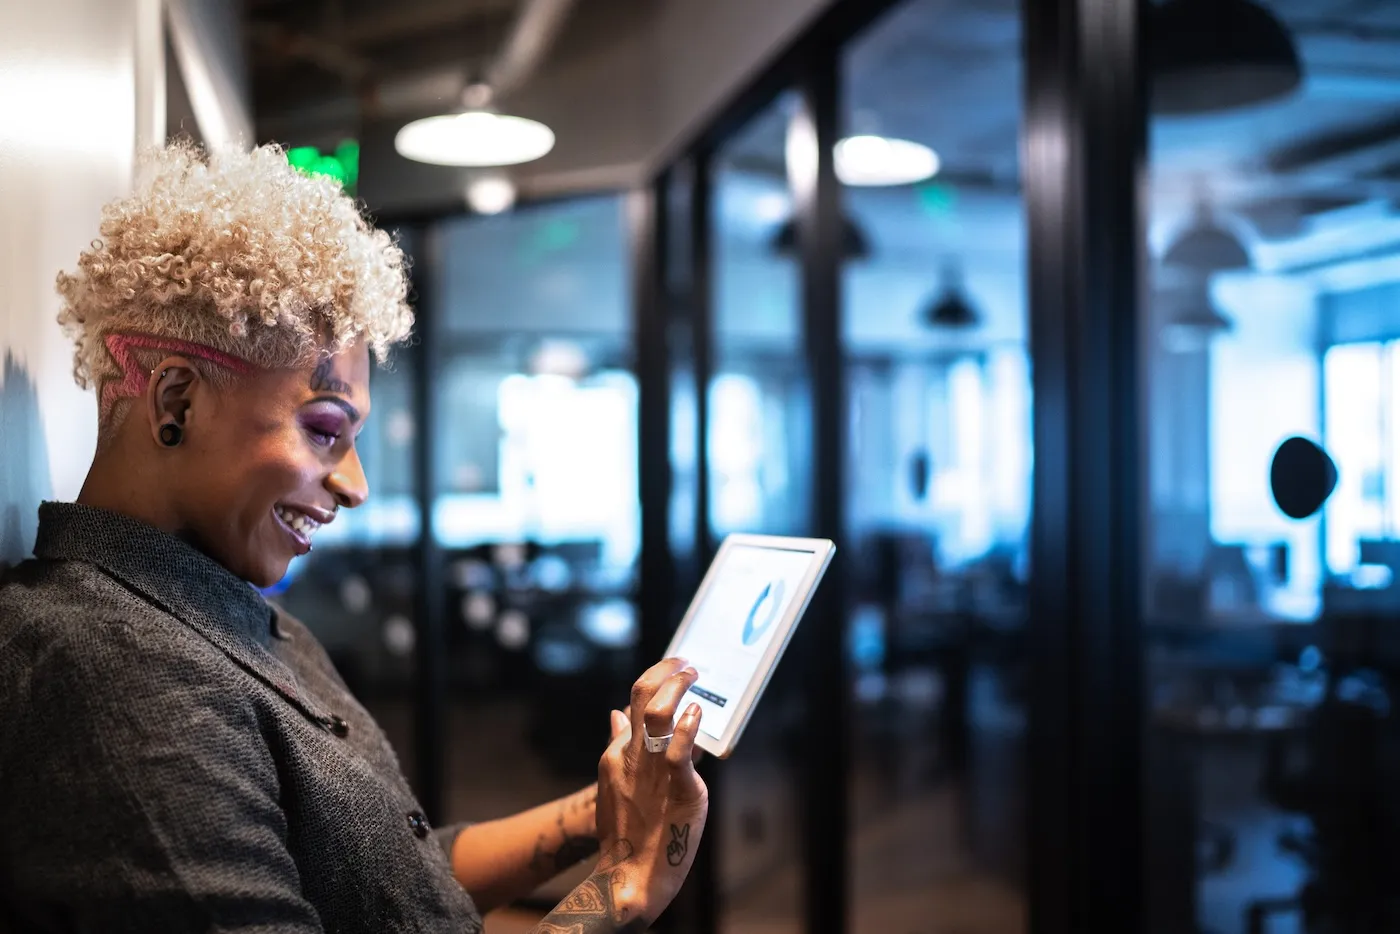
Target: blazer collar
(177, 578)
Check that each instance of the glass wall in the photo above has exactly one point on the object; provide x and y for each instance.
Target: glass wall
(938, 464)
(758, 451)
(536, 509)
(1273, 750)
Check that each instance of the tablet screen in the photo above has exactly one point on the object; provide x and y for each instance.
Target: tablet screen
(734, 624)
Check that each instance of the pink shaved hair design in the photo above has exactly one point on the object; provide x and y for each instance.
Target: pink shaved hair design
(132, 383)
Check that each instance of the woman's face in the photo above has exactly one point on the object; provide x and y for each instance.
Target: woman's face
(270, 460)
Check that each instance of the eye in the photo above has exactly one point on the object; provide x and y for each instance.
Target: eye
(323, 432)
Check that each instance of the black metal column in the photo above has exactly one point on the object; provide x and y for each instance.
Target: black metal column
(1084, 152)
(656, 586)
(702, 898)
(430, 676)
(817, 199)
(702, 233)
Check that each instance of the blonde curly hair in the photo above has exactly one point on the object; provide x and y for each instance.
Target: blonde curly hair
(234, 253)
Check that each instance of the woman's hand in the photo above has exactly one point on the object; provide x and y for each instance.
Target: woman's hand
(651, 812)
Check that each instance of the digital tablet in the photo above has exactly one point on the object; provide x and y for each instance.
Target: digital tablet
(740, 622)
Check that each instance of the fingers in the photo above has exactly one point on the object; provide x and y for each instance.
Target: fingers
(620, 724)
(660, 714)
(686, 785)
(647, 686)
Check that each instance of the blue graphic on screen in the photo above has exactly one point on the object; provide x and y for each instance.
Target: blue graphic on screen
(734, 625)
(764, 611)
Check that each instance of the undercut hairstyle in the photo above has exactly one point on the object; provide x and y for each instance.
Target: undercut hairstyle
(235, 260)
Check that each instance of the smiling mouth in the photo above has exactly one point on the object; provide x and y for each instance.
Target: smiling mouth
(298, 525)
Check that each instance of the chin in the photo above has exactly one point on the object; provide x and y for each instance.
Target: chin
(262, 572)
(266, 576)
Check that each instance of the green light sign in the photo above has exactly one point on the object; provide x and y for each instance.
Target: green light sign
(342, 164)
(938, 200)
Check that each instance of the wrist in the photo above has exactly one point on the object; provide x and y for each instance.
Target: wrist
(628, 893)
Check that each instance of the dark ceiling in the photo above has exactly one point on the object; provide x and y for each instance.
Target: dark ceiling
(943, 72)
(308, 55)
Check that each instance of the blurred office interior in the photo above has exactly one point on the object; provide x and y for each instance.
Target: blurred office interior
(1016, 301)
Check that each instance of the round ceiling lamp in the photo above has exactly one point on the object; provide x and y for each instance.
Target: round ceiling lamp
(476, 138)
(1213, 55)
(490, 194)
(876, 161)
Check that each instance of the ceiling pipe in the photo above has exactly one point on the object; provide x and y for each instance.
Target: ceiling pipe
(537, 26)
(535, 29)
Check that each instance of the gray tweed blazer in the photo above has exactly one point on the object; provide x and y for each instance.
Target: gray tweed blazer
(177, 755)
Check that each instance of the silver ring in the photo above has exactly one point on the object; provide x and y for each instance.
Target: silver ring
(656, 743)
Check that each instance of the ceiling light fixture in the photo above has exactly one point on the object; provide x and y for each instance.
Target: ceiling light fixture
(874, 161)
(951, 308)
(1212, 55)
(1207, 246)
(855, 245)
(1193, 321)
(491, 194)
(474, 138)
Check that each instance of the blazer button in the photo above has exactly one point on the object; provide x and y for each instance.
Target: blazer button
(419, 824)
(339, 727)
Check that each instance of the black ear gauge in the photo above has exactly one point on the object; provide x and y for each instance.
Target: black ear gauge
(171, 435)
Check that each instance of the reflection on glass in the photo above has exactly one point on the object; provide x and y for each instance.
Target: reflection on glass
(537, 508)
(1274, 794)
(939, 471)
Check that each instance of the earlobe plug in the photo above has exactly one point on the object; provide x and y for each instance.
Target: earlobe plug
(171, 435)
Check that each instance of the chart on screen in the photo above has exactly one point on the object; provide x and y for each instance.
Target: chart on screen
(734, 626)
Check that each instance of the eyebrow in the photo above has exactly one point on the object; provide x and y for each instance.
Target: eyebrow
(350, 411)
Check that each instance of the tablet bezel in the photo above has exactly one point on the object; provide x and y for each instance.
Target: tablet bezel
(822, 550)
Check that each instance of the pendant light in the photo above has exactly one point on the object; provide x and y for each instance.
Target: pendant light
(855, 245)
(1207, 246)
(477, 136)
(1194, 321)
(869, 161)
(951, 308)
(1213, 55)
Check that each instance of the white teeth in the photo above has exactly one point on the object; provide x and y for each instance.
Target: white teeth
(297, 521)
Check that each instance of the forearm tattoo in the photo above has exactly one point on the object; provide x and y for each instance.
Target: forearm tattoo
(593, 908)
(567, 849)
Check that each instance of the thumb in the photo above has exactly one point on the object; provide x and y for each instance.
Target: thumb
(619, 723)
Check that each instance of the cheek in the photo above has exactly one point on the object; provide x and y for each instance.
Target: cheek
(267, 472)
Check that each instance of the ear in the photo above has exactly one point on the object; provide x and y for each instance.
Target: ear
(169, 394)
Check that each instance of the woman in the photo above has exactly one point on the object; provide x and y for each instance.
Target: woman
(175, 753)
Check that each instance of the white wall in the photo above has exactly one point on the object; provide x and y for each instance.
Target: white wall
(1265, 378)
(68, 117)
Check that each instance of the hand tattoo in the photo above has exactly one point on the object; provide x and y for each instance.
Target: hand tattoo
(322, 380)
(679, 845)
(592, 909)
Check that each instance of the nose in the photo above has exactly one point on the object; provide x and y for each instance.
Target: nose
(347, 483)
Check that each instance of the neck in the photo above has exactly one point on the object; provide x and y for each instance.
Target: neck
(118, 482)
